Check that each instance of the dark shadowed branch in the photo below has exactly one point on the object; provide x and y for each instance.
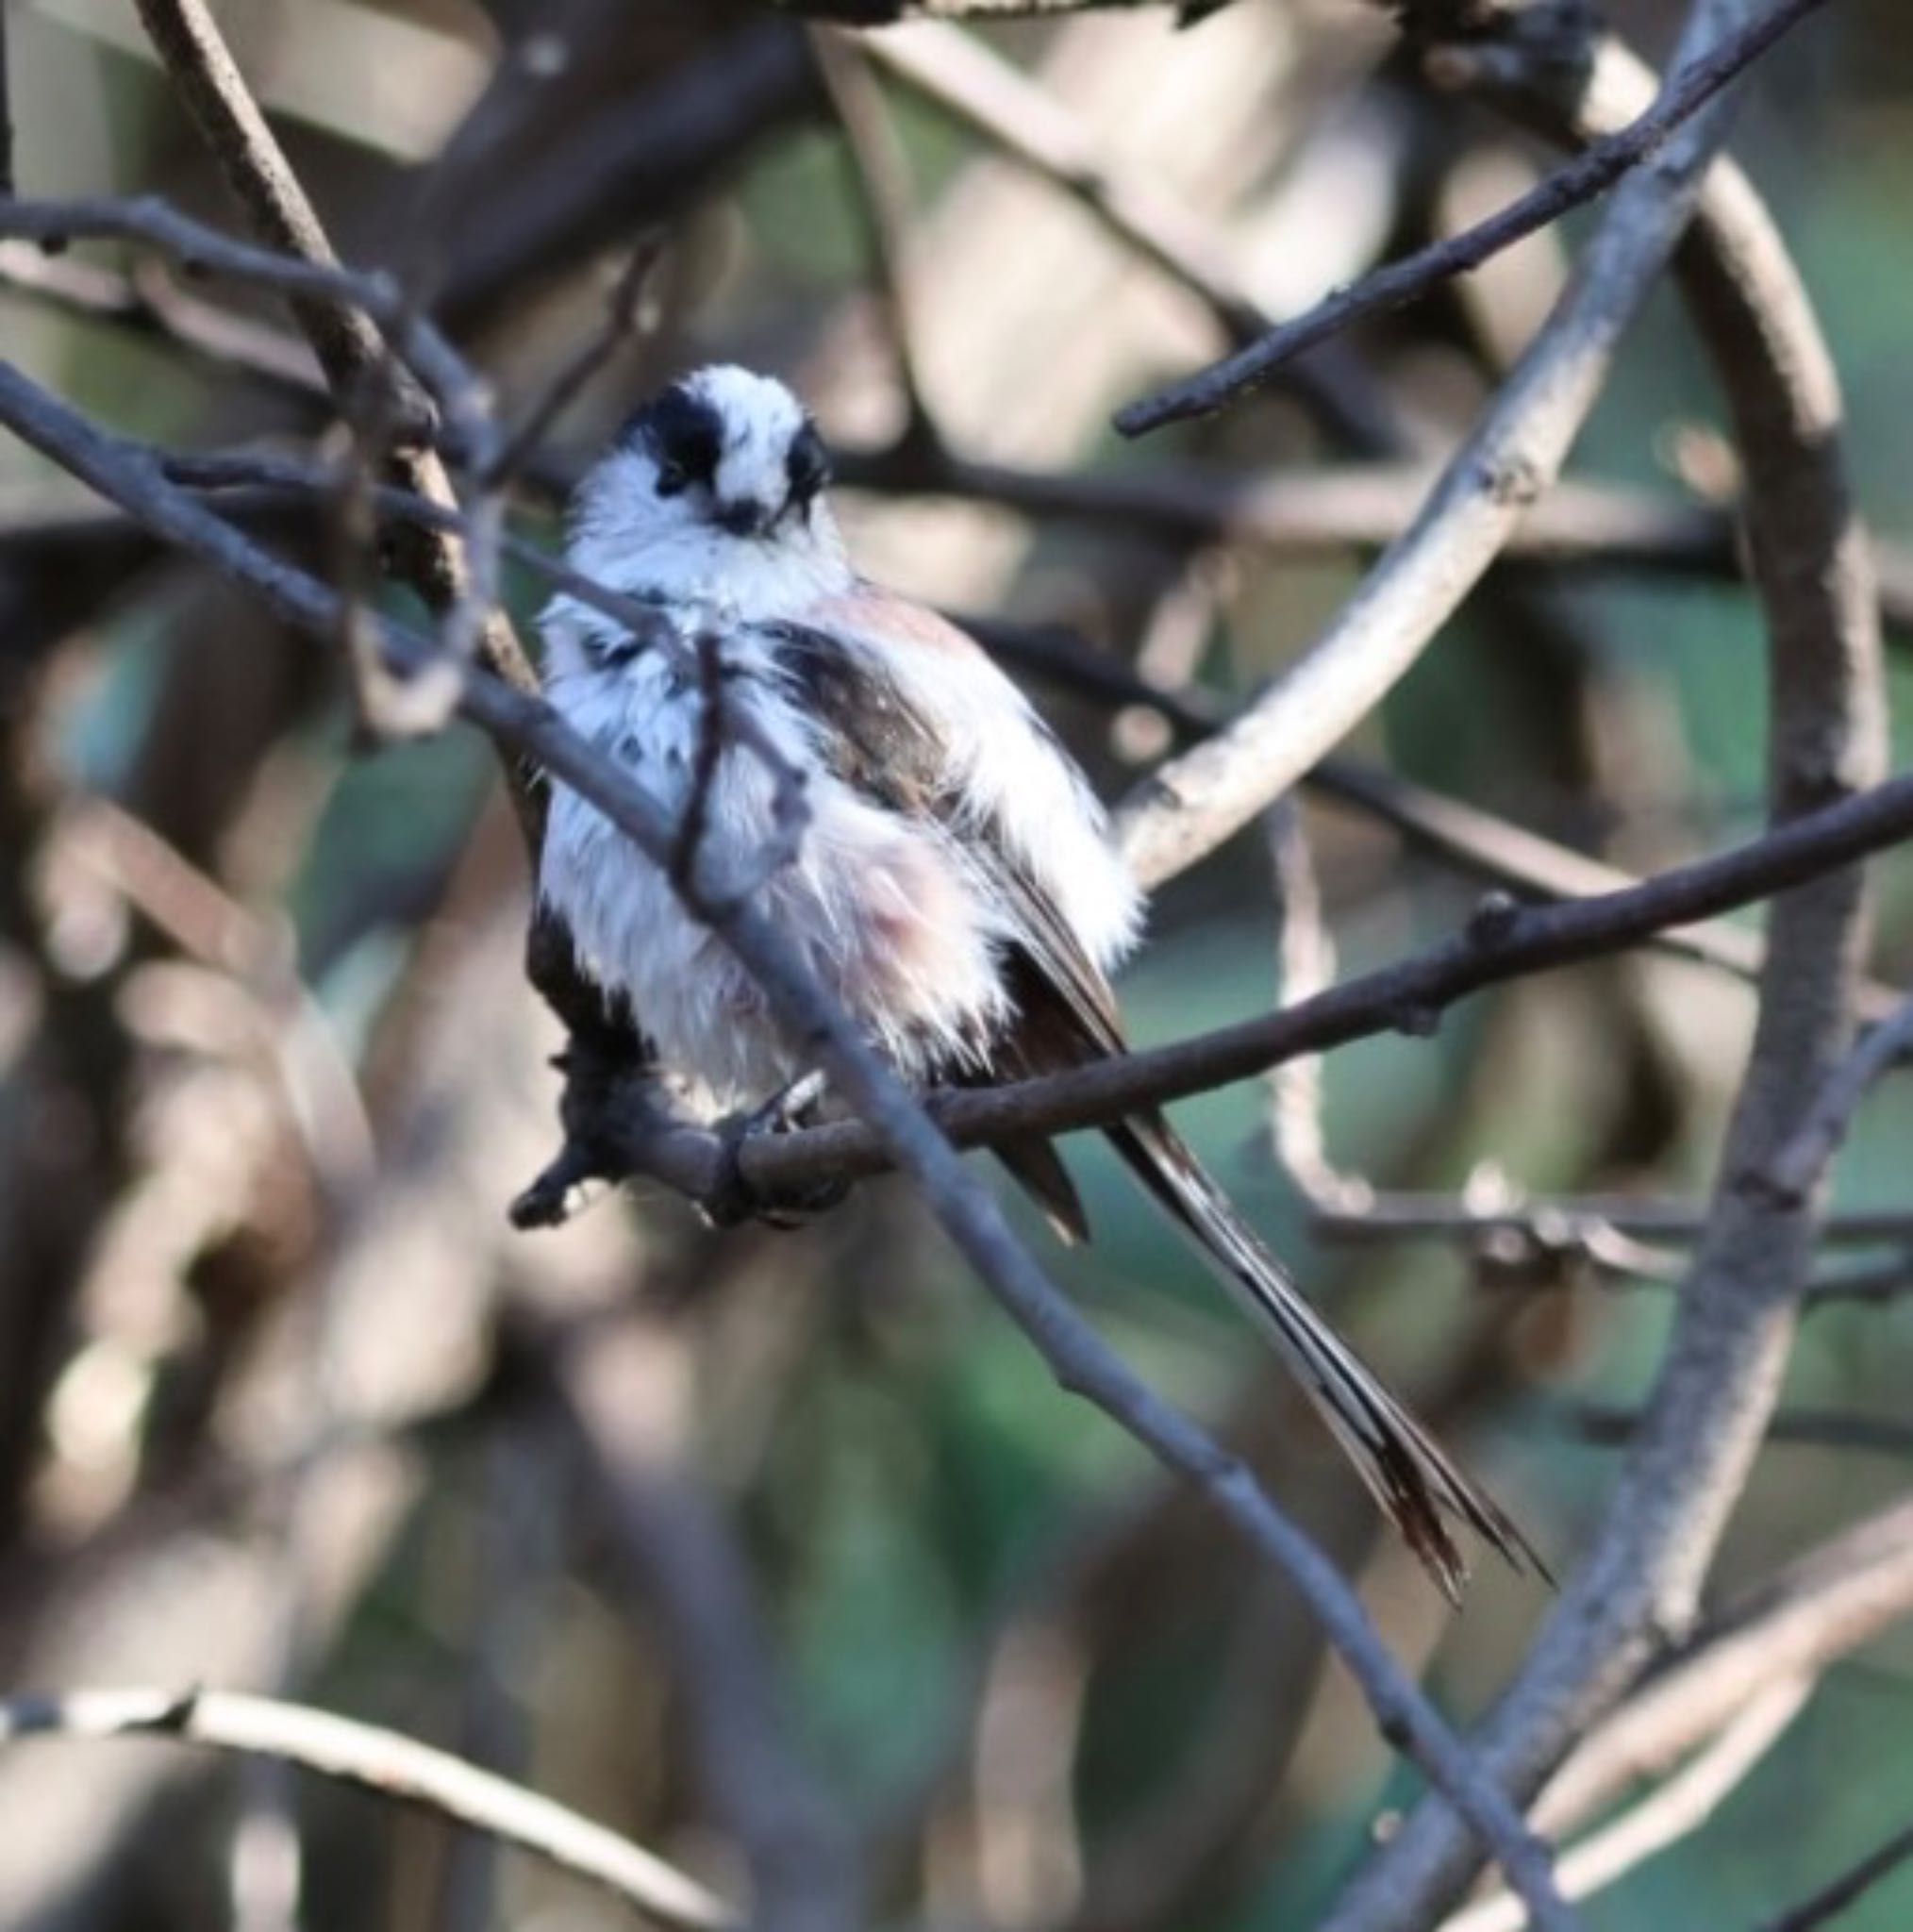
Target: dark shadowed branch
(1506, 941)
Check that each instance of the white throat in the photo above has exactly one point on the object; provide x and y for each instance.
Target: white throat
(620, 538)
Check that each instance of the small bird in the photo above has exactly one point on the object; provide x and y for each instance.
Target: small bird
(955, 886)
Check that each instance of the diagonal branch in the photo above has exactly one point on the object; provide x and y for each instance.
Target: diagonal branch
(1197, 800)
(1076, 1355)
(1509, 941)
(367, 382)
(1795, 1170)
(1590, 174)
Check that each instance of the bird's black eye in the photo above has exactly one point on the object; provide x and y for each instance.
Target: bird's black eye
(671, 477)
(807, 467)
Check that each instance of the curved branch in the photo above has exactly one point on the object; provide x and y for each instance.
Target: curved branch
(389, 1765)
(1681, 1805)
(1738, 1312)
(1822, 1606)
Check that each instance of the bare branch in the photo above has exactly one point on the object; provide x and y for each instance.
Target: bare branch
(152, 305)
(889, 12)
(368, 383)
(877, 167)
(623, 318)
(1736, 1312)
(1197, 800)
(1678, 1808)
(1581, 180)
(1797, 1168)
(386, 1764)
(1824, 1606)
(1510, 942)
(960, 74)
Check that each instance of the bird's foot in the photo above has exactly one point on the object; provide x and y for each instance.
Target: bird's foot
(792, 1108)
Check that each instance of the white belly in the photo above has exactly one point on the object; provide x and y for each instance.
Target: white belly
(878, 907)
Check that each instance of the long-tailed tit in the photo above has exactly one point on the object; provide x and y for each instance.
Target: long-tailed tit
(955, 886)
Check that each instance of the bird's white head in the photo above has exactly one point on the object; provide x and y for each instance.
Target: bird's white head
(713, 493)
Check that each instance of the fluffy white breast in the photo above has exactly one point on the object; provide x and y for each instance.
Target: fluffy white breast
(877, 905)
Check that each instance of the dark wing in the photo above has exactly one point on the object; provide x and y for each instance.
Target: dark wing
(1065, 1016)
(881, 747)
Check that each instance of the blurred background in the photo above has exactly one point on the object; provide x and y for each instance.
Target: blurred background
(777, 1550)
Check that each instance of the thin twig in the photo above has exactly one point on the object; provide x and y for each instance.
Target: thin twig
(878, 171)
(1578, 525)
(624, 318)
(457, 580)
(1410, 995)
(706, 754)
(1675, 1810)
(275, 479)
(1581, 180)
(964, 77)
(1811, 1427)
(889, 12)
(1796, 1168)
(1197, 800)
(1822, 1607)
(150, 304)
(386, 1764)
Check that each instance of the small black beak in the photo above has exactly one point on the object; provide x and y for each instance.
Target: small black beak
(746, 517)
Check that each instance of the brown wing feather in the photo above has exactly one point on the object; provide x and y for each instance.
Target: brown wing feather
(1067, 1015)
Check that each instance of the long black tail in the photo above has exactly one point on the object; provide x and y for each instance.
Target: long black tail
(1407, 1471)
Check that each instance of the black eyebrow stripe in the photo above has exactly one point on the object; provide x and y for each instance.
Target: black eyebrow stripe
(681, 428)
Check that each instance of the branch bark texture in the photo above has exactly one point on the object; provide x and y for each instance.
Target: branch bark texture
(1638, 1586)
